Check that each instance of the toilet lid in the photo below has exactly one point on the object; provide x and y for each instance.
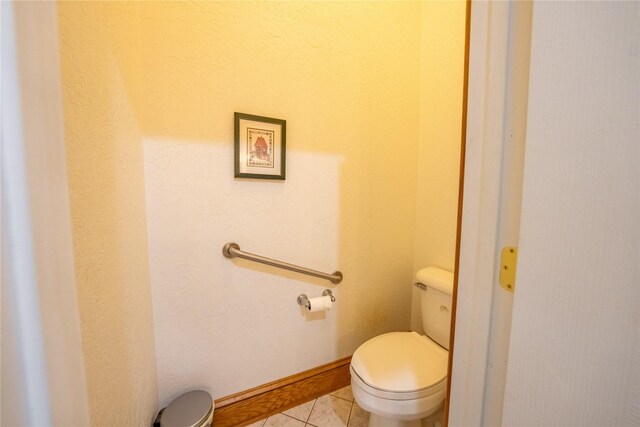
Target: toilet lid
(400, 362)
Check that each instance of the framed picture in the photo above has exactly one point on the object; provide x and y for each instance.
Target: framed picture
(259, 147)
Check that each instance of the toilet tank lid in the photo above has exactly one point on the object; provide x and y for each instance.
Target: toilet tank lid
(436, 278)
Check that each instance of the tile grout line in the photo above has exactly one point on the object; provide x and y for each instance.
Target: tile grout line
(350, 407)
(350, 411)
(289, 416)
(352, 401)
(311, 411)
(315, 401)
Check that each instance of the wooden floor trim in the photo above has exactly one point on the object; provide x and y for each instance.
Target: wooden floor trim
(246, 407)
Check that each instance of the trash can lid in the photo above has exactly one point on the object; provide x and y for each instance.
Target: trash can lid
(190, 409)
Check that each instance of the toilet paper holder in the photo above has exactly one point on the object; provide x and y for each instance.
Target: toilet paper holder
(303, 299)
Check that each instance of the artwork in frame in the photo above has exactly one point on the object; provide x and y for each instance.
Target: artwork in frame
(259, 147)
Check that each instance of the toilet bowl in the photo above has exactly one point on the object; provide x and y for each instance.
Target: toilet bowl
(401, 377)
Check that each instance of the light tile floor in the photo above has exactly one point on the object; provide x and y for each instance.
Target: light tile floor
(335, 409)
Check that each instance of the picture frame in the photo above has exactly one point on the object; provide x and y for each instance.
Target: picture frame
(259, 147)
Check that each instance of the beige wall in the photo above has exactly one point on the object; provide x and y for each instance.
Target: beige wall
(100, 54)
(441, 83)
(347, 78)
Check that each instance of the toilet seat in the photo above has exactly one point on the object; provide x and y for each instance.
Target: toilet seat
(394, 395)
(400, 366)
(399, 377)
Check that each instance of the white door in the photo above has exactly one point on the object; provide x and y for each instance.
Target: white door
(575, 333)
(570, 355)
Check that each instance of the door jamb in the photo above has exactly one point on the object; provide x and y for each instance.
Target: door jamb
(481, 179)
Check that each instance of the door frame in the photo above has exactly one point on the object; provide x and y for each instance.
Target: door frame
(484, 112)
(42, 345)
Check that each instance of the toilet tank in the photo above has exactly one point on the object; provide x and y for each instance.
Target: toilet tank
(435, 303)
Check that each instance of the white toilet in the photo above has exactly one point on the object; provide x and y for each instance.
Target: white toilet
(401, 377)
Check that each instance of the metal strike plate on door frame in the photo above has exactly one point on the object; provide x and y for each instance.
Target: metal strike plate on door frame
(508, 266)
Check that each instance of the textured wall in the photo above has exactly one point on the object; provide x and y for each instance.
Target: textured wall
(575, 334)
(441, 82)
(345, 76)
(100, 54)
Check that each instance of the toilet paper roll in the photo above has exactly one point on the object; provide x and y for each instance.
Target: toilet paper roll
(320, 304)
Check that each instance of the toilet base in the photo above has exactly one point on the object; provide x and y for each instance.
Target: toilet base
(434, 420)
(378, 421)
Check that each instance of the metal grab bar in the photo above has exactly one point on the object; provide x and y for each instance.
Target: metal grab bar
(232, 250)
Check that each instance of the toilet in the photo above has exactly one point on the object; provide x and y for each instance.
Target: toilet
(401, 377)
